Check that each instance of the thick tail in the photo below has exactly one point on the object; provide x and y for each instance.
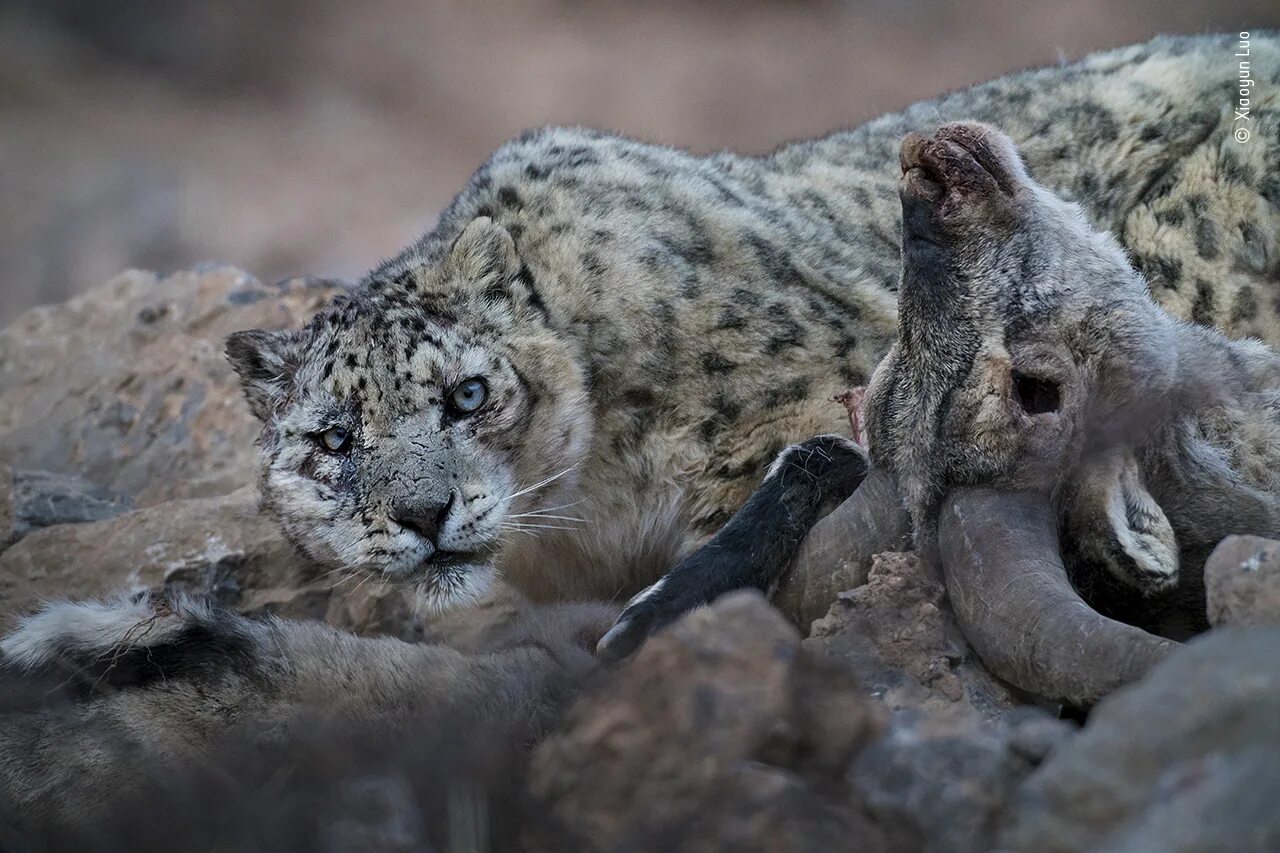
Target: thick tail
(129, 640)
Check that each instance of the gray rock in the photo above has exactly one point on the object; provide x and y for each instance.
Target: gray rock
(1242, 582)
(948, 781)
(720, 734)
(126, 386)
(43, 499)
(1187, 760)
(219, 546)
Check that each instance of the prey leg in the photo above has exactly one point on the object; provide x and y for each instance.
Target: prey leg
(758, 544)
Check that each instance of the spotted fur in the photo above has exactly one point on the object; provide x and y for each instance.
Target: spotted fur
(654, 327)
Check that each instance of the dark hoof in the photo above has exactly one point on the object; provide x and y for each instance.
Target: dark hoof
(963, 159)
(645, 614)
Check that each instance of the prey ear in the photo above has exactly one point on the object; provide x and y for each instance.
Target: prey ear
(266, 362)
(1114, 520)
(484, 252)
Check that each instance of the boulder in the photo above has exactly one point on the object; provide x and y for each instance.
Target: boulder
(1242, 582)
(42, 499)
(127, 388)
(722, 733)
(896, 634)
(947, 781)
(1187, 759)
(221, 546)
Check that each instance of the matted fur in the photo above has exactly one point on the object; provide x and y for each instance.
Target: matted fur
(106, 701)
(1033, 356)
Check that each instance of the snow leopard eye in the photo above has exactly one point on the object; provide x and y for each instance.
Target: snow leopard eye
(335, 440)
(468, 396)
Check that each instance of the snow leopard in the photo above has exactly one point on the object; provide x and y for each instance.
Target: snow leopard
(582, 371)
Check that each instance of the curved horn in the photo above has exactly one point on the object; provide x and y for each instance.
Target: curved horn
(1009, 588)
(837, 551)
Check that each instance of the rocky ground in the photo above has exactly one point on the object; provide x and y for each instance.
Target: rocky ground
(129, 459)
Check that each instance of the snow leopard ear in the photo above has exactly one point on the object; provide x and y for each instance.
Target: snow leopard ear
(484, 252)
(266, 362)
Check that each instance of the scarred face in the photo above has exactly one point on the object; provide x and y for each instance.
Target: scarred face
(401, 439)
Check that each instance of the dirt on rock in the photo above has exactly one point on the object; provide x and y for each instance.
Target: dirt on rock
(897, 635)
(722, 733)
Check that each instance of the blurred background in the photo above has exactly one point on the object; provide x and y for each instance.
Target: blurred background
(317, 136)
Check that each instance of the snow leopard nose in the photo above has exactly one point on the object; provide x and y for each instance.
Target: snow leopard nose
(424, 519)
